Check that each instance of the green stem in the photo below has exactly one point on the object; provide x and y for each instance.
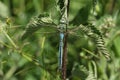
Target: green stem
(8, 37)
(90, 53)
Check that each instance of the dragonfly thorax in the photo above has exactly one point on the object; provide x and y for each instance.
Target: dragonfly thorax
(62, 25)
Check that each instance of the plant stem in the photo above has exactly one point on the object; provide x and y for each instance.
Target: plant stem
(64, 65)
(11, 41)
(65, 17)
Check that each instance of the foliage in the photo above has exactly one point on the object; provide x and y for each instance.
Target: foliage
(35, 57)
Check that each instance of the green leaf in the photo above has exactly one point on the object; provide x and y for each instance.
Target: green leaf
(83, 72)
(4, 12)
(81, 17)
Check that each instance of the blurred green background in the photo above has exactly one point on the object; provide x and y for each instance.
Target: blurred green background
(36, 58)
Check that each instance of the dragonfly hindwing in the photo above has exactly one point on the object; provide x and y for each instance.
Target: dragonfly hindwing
(95, 34)
(43, 20)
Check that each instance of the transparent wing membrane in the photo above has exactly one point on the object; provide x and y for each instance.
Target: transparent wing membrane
(45, 30)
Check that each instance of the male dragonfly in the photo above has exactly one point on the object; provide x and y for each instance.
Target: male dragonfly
(45, 21)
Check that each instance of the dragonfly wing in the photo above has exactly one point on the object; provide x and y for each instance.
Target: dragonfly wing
(42, 21)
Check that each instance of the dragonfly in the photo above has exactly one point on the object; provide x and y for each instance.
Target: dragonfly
(46, 22)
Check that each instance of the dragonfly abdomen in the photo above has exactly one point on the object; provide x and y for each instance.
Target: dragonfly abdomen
(61, 50)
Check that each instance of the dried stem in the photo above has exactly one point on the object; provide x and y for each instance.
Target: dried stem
(64, 63)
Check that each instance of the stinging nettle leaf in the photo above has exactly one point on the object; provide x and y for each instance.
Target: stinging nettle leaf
(96, 35)
(81, 17)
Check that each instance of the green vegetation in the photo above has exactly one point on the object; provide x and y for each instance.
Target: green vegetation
(32, 53)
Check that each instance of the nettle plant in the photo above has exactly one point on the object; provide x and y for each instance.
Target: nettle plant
(88, 28)
(85, 23)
